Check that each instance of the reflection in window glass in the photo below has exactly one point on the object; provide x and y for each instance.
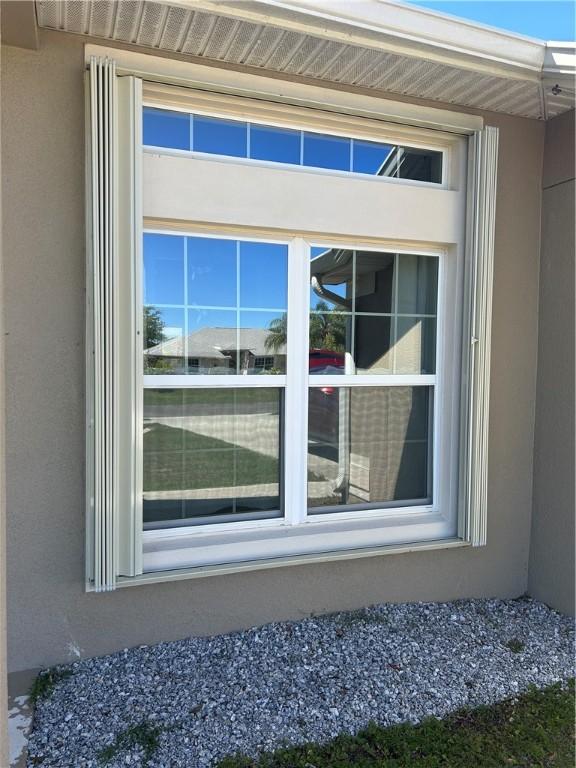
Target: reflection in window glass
(211, 455)
(212, 275)
(369, 446)
(164, 332)
(214, 305)
(415, 348)
(163, 128)
(263, 275)
(262, 334)
(219, 137)
(213, 340)
(369, 156)
(280, 145)
(417, 285)
(372, 312)
(163, 269)
(322, 151)
(420, 165)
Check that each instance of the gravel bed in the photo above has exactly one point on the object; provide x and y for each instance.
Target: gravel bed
(296, 681)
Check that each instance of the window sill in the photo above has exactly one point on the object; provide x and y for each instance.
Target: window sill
(280, 562)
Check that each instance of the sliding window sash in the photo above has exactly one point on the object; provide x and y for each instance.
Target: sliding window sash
(481, 214)
(114, 216)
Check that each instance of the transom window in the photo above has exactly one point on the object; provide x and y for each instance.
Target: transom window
(233, 138)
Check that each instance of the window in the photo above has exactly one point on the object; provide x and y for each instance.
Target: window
(285, 365)
(217, 136)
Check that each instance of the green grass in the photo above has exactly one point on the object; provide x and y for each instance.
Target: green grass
(202, 396)
(176, 459)
(515, 645)
(45, 683)
(536, 730)
(144, 736)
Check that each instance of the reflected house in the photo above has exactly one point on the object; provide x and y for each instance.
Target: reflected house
(216, 351)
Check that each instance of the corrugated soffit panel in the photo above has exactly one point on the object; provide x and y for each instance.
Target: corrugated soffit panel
(199, 34)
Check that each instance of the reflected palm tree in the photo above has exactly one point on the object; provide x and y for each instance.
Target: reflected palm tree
(327, 330)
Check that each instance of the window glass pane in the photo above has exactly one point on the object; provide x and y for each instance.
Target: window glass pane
(164, 331)
(330, 350)
(211, 455)
(415, 348)
(417, 284)
(162, 128)
(375, 326)
(263, 275)
(420, 164)
(369, 447)
(163, 269)
(278, 144)
(219, 137)
(368, 156)
(262, 335)
(374, 281)
(212, 341)
(212, 271)
(331, 279)
(321, 151)
(373, 344)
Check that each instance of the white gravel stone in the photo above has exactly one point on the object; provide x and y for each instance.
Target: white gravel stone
(291, 682)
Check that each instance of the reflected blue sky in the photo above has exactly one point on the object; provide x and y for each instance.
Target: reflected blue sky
(280, 145)
(219, 137)
(233, 138)
(220, 272)
(163, 128)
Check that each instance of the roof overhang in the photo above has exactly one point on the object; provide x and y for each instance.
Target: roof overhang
(381, 45)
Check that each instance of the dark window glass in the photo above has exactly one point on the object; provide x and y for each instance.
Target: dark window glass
(369, 447)
(321, 151)
(219, 137)
(278, 144)
(420, 165)
(162, 128)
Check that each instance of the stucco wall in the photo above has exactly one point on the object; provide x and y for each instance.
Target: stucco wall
(51, 618)
(552, 545)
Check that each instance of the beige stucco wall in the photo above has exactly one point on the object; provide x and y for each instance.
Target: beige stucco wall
(51, 618)
(552, 544)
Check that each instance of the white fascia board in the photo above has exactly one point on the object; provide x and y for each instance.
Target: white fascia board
(394, 27)
(560, 59)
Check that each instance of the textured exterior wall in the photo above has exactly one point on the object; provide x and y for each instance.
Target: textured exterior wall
(552, 544)
(51, 618)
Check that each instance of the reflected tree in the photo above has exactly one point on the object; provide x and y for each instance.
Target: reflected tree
(153, 327)
(327, 330)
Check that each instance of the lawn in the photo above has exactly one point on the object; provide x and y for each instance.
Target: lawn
(535, 730)
(176, 459)
(194, 396)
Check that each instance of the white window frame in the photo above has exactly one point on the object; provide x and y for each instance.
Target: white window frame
(268, 544)
(191, 545)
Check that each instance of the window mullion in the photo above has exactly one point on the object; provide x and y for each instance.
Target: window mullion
(296, 396)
